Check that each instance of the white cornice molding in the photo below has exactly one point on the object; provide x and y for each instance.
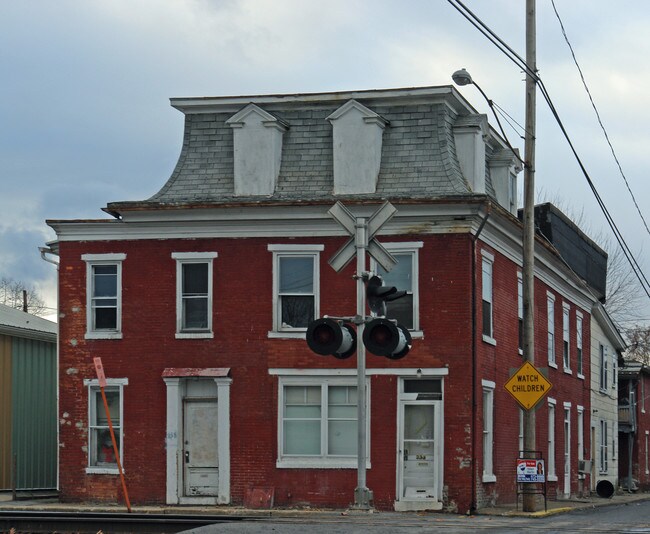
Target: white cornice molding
(502, 232)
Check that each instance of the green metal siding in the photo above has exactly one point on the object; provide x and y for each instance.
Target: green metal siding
(5, 412)
(34, 413)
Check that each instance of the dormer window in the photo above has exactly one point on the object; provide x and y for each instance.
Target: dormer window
(257, 142)
(357, 140)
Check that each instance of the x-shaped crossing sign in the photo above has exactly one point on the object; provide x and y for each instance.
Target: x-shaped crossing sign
(350, 223)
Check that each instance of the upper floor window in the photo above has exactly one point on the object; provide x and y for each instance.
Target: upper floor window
(101, 453)
(603, 368)
(566, 337)
(295, 286)
(103, 295)
(579, 362)
(520, 311)
(486, 295)
(550, 311)
(403, 276)
(194, 294)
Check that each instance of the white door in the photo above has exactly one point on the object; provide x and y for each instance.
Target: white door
(418, 451)
(567, 453)
(200, 453)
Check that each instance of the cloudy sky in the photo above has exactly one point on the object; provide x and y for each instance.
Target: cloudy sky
(84, 99)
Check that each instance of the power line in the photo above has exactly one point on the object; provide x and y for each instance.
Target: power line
(515, 58)
(600, 122)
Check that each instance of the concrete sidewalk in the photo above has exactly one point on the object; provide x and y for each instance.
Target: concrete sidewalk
(509, 510)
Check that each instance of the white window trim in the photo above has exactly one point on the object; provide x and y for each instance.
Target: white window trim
(520, 305)
(552, 474)
(410, 247)
(488, 432)
(566, 336)
(647, 464)
(487, 257)
(280, 250)
(580, 345)
(183, 258)
(319, 462)
(550, 322)
(93, 385)
(103, 259)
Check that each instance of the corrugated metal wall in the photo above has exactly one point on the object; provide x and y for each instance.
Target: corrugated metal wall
(5, 412)
(33, 396)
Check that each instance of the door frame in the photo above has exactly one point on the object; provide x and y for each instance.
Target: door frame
(175, 382)
(404, 399)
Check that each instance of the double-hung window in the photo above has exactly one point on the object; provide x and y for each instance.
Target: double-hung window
(295, 286)
(552, 475)
(317, 422)
(403, 276)
(566, 338)
(488, 431)
(520, 311)
(103, 295)
(603, 368)
(579, 361)
(550, 313)
(101, 454)
(487, 264)
(602, 463)
(194, 294)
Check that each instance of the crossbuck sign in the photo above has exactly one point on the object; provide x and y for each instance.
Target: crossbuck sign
(349, 222)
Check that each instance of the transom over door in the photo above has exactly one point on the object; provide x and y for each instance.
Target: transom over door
(200, 452)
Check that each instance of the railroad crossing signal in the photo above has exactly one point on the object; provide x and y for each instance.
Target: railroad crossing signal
(349, 223)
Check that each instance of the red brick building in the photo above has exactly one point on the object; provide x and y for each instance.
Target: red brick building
(634, 426)
(197, 300)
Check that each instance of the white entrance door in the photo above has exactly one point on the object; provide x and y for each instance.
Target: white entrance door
(567, 453)
(200, 451)
(418, 451)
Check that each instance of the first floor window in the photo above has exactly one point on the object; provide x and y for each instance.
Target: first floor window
(101, 453)
(488, 431)
(603, 446)
(551, 439)
(103, 295)
(318, 421)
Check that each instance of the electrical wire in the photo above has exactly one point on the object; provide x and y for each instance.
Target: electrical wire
(515, 58)
(600, 122)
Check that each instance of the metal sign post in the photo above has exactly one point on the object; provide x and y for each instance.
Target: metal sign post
(99, 369)
(362, 232)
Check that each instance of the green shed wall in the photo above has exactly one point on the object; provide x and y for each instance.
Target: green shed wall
(33, 399)
(5, 412)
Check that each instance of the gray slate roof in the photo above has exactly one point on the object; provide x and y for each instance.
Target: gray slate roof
(418, 158)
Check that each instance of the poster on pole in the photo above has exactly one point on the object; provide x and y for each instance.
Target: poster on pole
(531, 470)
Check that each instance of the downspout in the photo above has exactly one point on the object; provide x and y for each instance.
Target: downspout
(44, 252)
(473, 504)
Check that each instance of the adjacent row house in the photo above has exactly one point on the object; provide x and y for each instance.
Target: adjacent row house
(198, 299)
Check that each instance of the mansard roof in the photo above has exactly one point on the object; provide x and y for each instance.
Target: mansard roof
(418, 156)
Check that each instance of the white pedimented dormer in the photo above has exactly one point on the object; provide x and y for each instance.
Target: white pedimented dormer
(257, 145)
(504, 166)
(470, 134)
(357, 140)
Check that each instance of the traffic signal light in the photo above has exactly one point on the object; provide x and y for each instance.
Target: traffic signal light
(330, 337)
(387, 338)
(377, 294)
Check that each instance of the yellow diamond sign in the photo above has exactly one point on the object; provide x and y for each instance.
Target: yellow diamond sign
(528, 386)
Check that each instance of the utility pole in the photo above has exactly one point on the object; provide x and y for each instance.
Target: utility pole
(529, 504)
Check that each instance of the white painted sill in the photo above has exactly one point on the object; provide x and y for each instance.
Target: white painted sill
(489, 478)
(194, 335)
(489, 340)
(103, 335)
(103, 471)
(318, 463)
